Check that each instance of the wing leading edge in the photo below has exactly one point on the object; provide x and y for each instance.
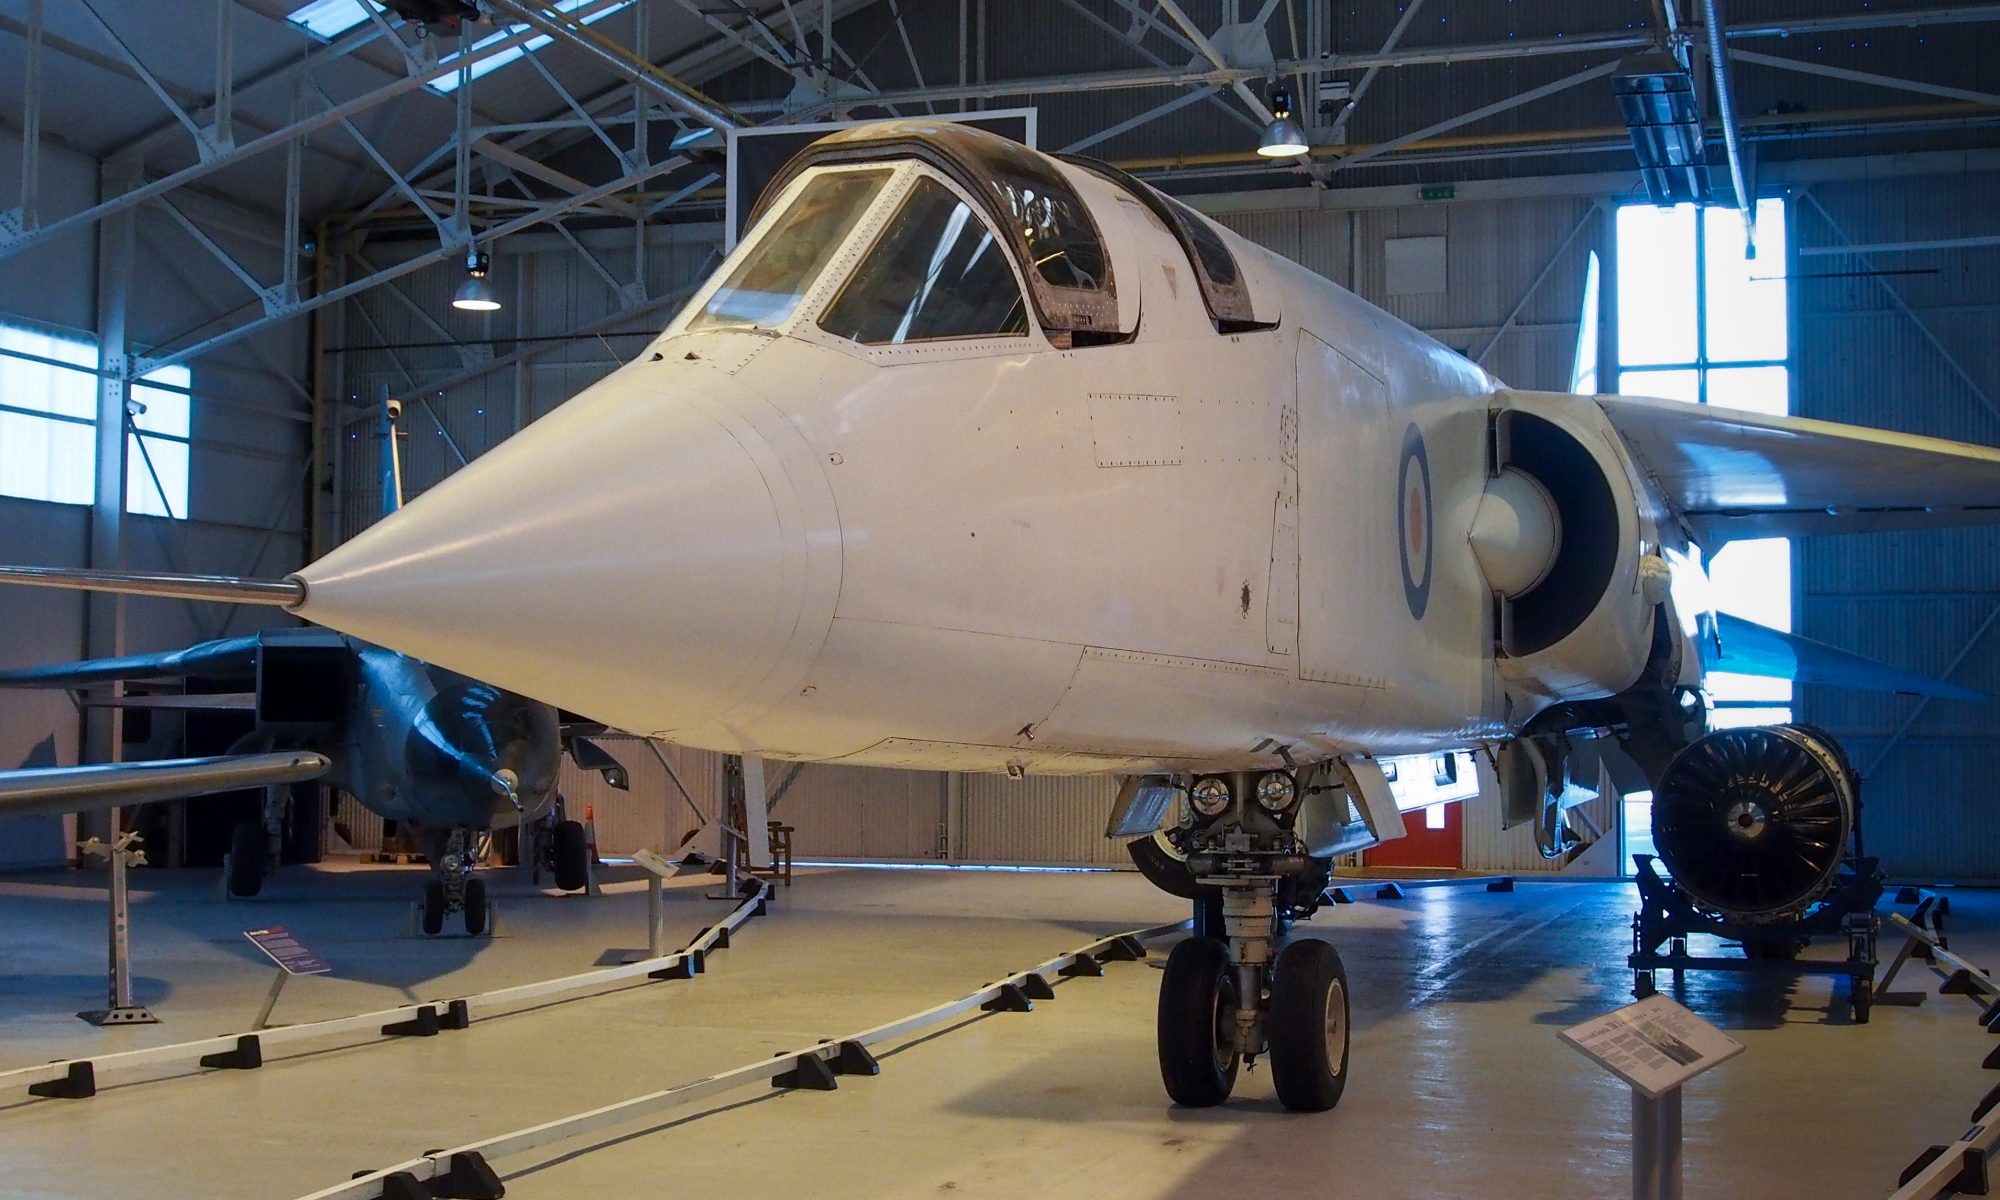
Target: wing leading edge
(1733, 475)
(226, 658)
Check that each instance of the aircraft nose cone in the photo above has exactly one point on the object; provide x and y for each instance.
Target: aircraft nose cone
(637, 556)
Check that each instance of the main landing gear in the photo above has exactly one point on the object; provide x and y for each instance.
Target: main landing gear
(1226, 999)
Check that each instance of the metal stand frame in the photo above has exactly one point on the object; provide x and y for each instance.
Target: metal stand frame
(1667, 917)
(122, 850)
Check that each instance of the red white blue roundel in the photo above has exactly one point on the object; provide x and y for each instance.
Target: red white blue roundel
(1413, 521)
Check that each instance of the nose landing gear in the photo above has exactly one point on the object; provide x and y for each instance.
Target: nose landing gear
(453, 886)
(1226, 1001)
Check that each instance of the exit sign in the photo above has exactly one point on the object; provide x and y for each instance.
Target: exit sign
(1438, 191)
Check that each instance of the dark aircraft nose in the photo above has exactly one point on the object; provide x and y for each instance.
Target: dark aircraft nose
(653, 554)
(484, 750)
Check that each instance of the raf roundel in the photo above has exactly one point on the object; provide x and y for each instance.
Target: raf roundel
(1413, 521)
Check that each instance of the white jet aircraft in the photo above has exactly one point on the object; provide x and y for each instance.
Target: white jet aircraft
(974, 458)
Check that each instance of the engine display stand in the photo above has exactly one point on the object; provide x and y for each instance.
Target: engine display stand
(1666, 918)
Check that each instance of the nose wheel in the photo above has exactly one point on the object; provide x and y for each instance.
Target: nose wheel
(1225, 1001)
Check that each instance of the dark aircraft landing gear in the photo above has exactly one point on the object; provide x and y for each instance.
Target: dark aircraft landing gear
(1231, 993)
(249, 859)
(453, 888)
(255, 846)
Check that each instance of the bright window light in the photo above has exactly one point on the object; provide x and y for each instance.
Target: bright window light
(48, 426)
(156, 456)
(1434, 817)
(449, 83)
(1656, 285)
(328, 19)
(1699, 322)
(48, 417)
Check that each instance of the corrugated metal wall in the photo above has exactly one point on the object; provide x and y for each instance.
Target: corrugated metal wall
(863, 812)
(1914, 599)
(651, 814)
(1037, 820)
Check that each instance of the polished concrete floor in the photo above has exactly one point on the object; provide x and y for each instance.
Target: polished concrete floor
(1459, 1088)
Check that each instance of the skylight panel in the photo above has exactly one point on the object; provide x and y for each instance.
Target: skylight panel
(328, 19)
(449, 83)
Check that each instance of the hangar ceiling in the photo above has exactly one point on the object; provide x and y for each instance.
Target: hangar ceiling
(363, 136)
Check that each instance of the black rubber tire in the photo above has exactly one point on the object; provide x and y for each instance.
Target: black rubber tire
(1163, 870)
(1197, 1008)
(434, 907)
(1860, 999)
(1308, 1014)
(249, 859)
(475, 906)
(572, 863)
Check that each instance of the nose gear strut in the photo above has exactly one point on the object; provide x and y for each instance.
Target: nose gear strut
(1227, 1000)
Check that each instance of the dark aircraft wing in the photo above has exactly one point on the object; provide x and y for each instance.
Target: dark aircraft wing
(1748, 648)
(1733, 475)
(50, 791)
(227, 658)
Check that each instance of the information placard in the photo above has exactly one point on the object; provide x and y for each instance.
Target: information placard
(287, 951)
(1656, 1045)
(663, 867)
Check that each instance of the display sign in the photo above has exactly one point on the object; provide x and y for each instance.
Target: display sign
(1655, 1045)
(287, 951)
(664, 868)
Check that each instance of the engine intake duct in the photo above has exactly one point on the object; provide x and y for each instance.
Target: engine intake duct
(1754, 823)
(1546, 532)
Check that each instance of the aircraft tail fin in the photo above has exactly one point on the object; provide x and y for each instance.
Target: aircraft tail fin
(289, 592)
(1748, 648)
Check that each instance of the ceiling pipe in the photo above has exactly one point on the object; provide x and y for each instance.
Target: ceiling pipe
(1725, 104)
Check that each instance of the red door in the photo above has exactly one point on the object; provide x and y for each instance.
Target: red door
(1422, 846)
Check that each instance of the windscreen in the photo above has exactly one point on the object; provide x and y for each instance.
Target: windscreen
(936, 273)
(774, 273)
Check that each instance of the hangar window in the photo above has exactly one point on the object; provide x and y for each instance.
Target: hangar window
(1698, 321)
(772, 274)
(936, 273)
(48, 426)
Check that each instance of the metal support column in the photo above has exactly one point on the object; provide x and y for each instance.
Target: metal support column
(104, 615)
(1656, 1146)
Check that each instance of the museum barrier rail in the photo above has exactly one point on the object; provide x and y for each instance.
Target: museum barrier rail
(463, 1172)
(1959, 1168)
(79, 1078)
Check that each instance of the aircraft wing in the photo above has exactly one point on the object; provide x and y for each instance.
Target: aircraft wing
(51, 791)
(1748, 648)
(1734, 475)
(227, 657)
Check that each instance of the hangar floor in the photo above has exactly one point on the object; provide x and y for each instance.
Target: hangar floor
(1460, 1087)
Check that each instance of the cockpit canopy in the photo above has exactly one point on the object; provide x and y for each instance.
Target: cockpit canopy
(950, 224)
(1021, 193)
